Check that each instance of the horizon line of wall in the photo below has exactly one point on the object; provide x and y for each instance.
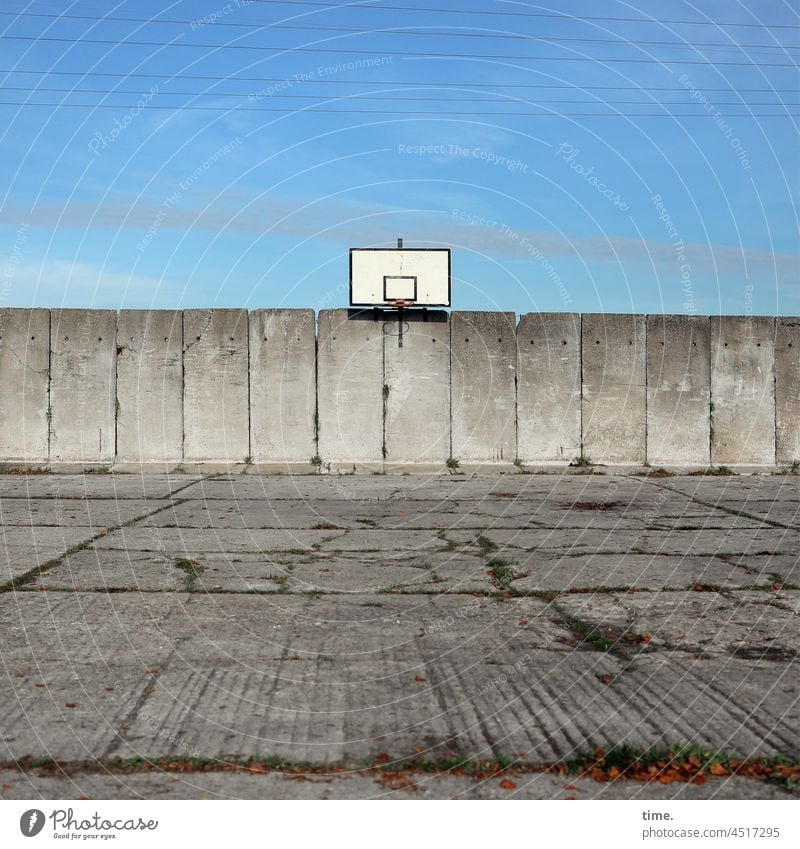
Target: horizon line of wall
(274, 386)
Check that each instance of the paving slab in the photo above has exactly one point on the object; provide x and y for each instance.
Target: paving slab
(92, 514)
(177, 541)
(368, 785)
(706, 623)
(332, 618)
(117, 486)
(365, 784)
(749, 707)
(635, 571)
(23, 549)
(685, 542)
(102, 570)
(779, 568)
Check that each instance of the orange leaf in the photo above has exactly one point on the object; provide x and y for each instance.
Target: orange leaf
(613, 773)
(718, 769)
(420, 679)
(508, 785)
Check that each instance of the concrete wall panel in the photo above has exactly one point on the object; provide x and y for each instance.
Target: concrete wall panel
(149, 354)
(82, 386)
(614, 397)
(787, 390)
(350, 386)
(215, 360)
(678, 390)
(282, 385)
(417, 380)
(742, 390)
(24, 383)
(483, 394)
(549, 387)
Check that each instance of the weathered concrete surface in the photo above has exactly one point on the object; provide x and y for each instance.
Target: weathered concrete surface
(149, 386)
(787, 390)
(678, 390)
(215, 402)
(417, 381)
(483, 359)
(350, 394)
(358, 618)
(743, 390)
(614, 396)
(82, 386)
(549, 387)
(283, 386)
(24, 384)
(367, 783)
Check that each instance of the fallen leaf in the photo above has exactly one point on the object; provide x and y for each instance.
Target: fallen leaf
(420, 679)
(381, 758)
(614, 773)
(70, 705)
(508, 785)
(570, 787)
(718, 769)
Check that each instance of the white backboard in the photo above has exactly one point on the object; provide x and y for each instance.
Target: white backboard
(418, 276)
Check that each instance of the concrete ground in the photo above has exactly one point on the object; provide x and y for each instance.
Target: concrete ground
(400, 636)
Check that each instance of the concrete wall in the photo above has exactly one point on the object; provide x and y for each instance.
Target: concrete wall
(350, 387)
(549, 387)
(283, 386)
(216, 424)
(787, 390)
(678, 390)
(742, 390)
(88, 388)
(24, 384)
(149, 385)
(417, 394)
(483, 362)
(82, 386)
(614, 388)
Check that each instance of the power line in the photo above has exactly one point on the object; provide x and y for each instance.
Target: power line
(413, 83)
(385, 31)
(413, 53)
(361, 96)
(435, 114)
(554, 15)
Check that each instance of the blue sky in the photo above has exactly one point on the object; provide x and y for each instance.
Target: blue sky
(602, 164)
